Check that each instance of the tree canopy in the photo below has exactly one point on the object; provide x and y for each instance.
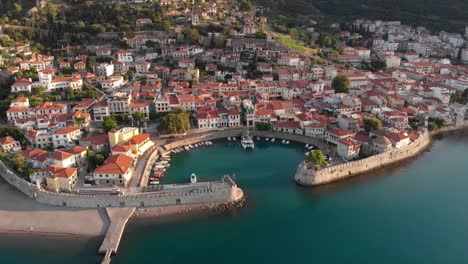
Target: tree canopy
(316, 157)
(262, 126)
(341, 84)
(109, 123)
(176, 122)
(371, 124)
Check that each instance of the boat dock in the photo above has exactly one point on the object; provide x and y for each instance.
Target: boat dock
(118, 220)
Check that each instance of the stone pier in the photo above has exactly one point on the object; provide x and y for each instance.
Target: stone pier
(118, 220)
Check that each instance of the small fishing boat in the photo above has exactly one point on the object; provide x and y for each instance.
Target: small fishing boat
(287, 142)
(186, 148)
(193, 178)
(229, 138)
(273, 139)
(307, 153)
(267, 139)
(283, 141)
(258, 138)
(191, 146)
(307, 145)
(234, 138)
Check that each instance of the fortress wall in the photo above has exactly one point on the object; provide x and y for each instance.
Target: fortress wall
(308, 176)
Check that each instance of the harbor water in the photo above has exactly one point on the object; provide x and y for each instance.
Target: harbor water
(413, 212)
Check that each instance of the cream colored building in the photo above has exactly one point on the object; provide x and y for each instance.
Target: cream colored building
(117, 169)
(123, 135)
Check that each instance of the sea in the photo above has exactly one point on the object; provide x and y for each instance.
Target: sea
(412, 212)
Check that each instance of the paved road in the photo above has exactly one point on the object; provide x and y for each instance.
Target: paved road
(139, 169)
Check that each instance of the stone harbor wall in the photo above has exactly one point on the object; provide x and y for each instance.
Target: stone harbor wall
(204, 192)
(308, 176)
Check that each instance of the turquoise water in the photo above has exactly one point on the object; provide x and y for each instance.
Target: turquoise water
(412, 213)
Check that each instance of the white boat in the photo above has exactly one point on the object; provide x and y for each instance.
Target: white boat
(287, 142)
(273, 139)
(193, 178)
(229, 138)
(307, 153)
(154, 182)
(311, 147)
(283, 141)
(267, 139)
(191, 146)
(307, 146)
(247, 141)
(234, 138)
(186, 148)
(258, 138)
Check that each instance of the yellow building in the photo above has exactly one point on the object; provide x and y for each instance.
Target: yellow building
(123, 135)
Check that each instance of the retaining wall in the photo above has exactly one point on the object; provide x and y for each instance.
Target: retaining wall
(308, 176)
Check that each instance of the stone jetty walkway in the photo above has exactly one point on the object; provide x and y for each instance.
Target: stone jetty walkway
(118, 220)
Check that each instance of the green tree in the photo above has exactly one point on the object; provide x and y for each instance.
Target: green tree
(371, 124)
(440, 122)
(262, 126)
(153, 115)
(341, 84)
(177, 121)
(99, 159)
(19, 163)
(137, 116)
(316, 157)
(191, 35)
(109, 123)
(166, 25)
(38, 91)
(246, 5)
(17, 7)
(432, 126)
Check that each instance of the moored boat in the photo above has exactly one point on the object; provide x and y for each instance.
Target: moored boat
(247, 141)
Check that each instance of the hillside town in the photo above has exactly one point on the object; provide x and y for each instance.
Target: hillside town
(91, 114)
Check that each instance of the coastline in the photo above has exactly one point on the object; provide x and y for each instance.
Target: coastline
(90, 223)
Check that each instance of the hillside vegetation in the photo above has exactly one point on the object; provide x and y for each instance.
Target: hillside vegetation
(448, 15)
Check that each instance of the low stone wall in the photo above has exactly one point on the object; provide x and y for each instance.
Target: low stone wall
(306, 175)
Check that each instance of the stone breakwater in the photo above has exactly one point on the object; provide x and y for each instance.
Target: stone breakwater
(307, 175)
(225, 191)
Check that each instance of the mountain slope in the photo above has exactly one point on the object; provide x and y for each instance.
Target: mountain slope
(436, 14)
